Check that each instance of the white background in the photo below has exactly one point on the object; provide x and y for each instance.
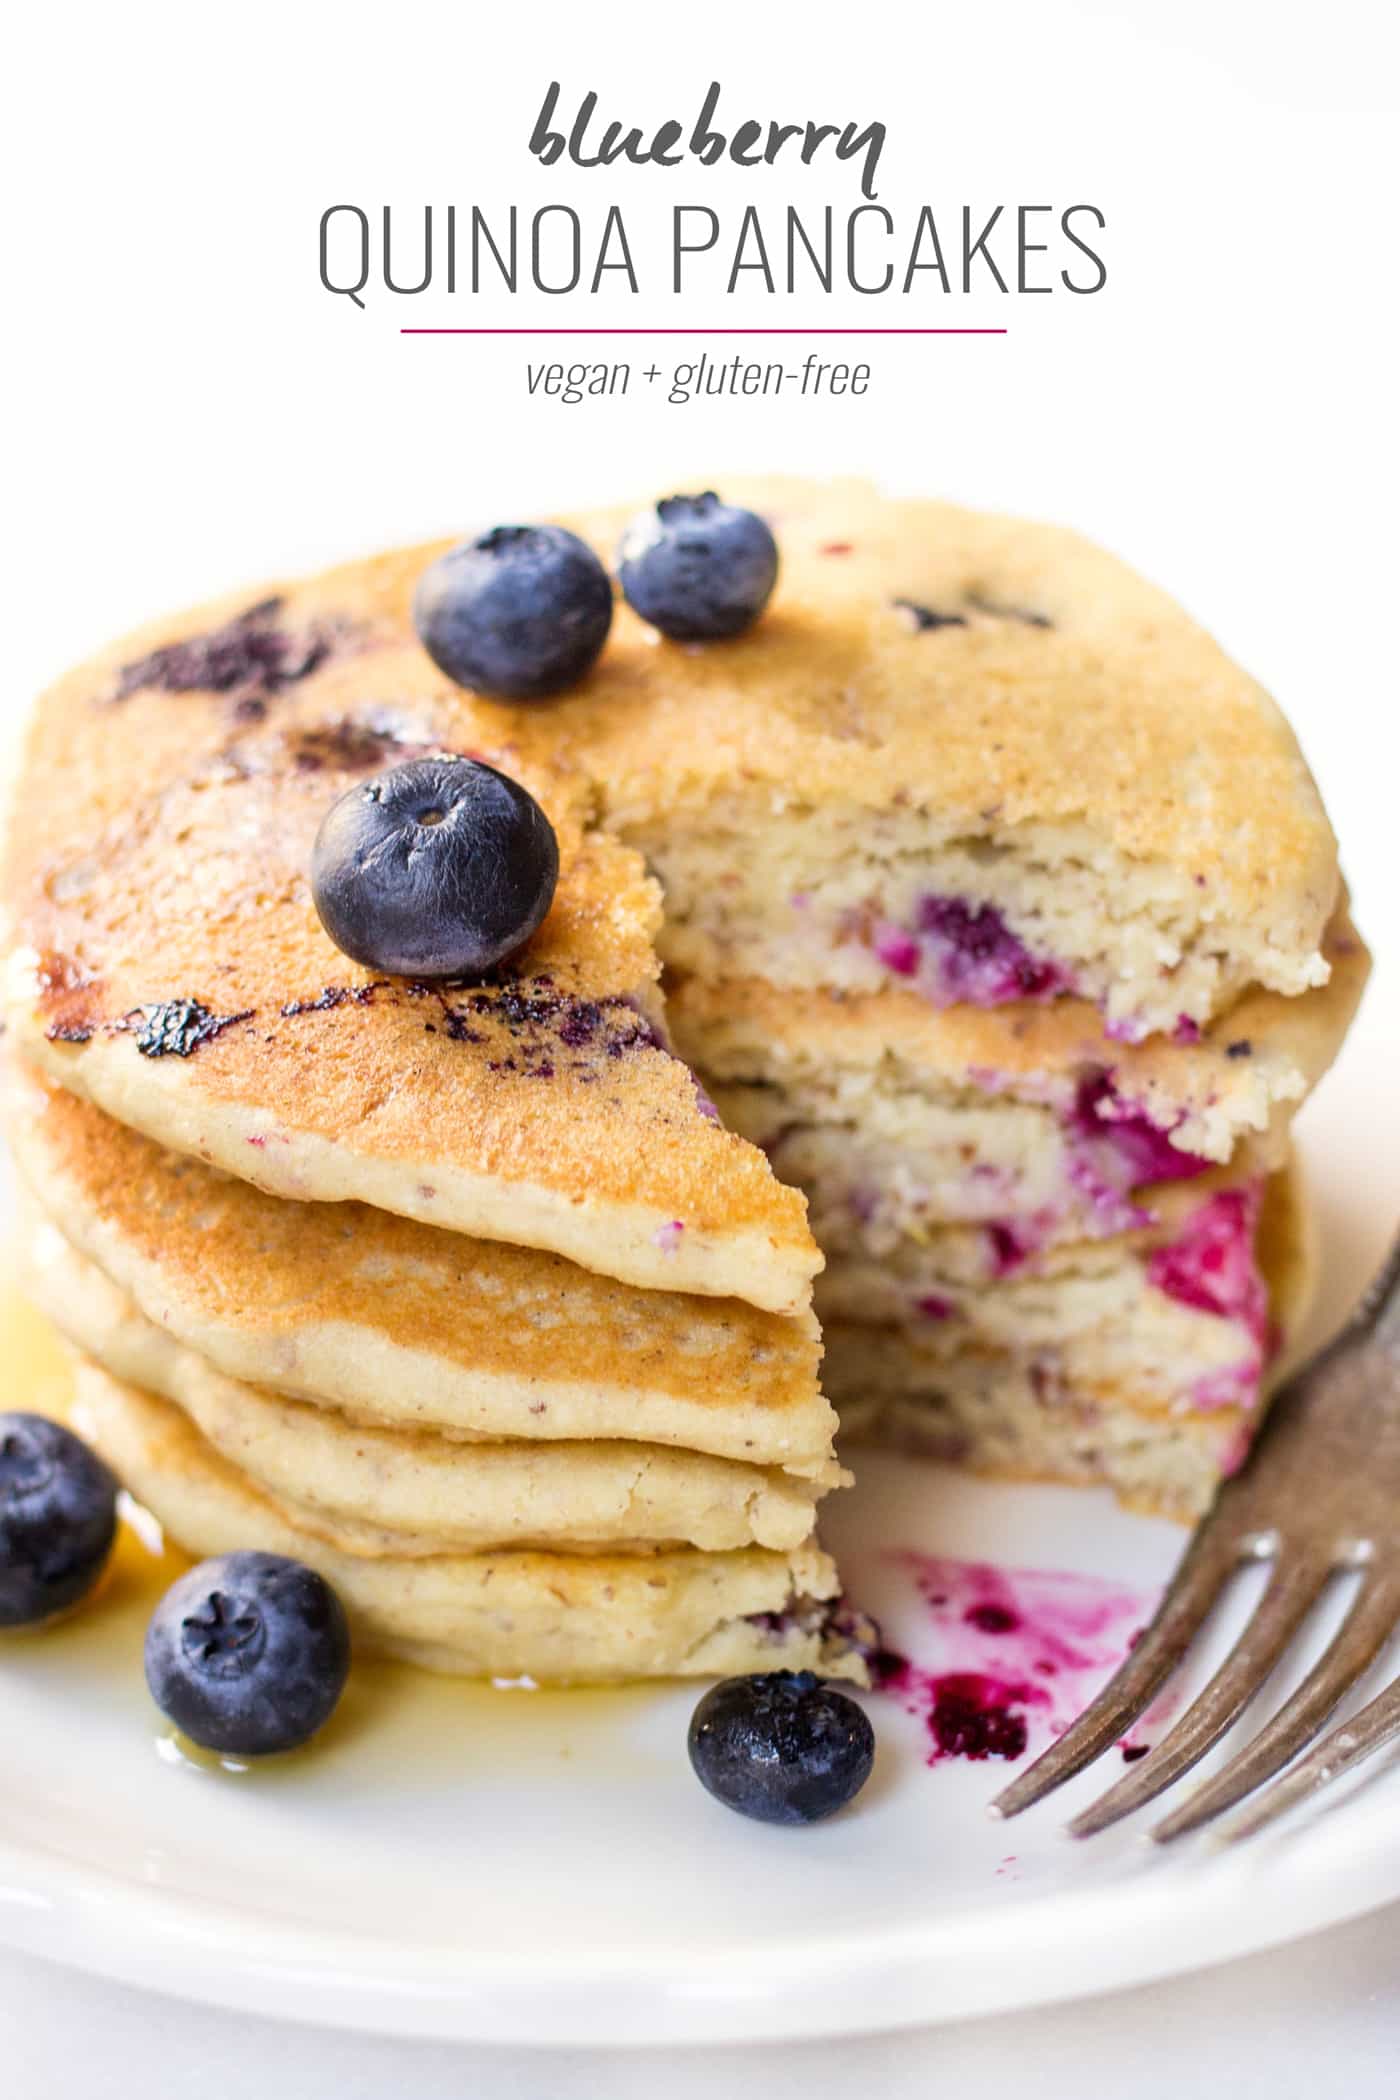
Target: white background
(189, 409)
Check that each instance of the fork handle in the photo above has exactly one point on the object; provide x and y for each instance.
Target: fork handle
(1378, 1314)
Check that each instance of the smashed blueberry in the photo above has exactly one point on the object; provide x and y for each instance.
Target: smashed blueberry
(991, 1618)
(1022, 613)
(698, 569)
(520, 612)
(440, 868)
(926, 618)
(58, 1517)
(248, 1654)
(980, 960)
(346, 745)
(782, 1748)
(179, 1027)
(251, 650)
(976, 1717)
(1146, 1150)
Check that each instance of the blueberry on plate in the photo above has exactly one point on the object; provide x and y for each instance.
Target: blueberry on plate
(520, 612)
(438, 868)
(58, 1518)
(248, 1654)
(783, 1748)
(698, 569)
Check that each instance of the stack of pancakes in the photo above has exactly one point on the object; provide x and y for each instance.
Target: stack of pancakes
(505, 1464)
(999, 916)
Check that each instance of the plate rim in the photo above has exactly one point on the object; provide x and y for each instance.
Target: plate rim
(1055, 1947)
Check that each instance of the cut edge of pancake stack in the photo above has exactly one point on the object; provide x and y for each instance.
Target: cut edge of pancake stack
(1049, 1255)
(469, 1298)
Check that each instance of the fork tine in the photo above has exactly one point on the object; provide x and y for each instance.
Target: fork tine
(1338, 1753)
(1293, 1590)
(1209, 1559)
(1359, 1640)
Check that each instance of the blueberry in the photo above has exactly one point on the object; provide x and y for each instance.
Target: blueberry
(58, 1517)
(697, 568)
(248, 1654)
(784, 1748)
(521, 612)
(438, 868)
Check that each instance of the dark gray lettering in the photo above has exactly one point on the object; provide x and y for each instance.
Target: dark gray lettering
(348, 291)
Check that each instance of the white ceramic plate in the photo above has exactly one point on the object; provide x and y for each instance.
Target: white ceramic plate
(521, 1867)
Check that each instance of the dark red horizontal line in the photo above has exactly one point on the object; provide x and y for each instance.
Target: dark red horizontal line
(702, 331)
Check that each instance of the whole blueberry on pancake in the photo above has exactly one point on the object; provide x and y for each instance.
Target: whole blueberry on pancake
(58, 1517)
(520, 612)
(782, 1748)
(439, 868)
(698, 569)
(248, 1654)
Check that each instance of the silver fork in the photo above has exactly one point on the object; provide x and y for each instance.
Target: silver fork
(1319, 1495)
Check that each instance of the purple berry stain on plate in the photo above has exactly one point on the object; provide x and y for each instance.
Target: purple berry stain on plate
(1001, 1660)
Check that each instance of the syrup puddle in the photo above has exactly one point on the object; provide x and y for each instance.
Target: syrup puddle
(1005, 1658)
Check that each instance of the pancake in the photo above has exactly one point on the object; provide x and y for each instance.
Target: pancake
(988, 1417)
(1060, 1411)
(405, 1326)
(955, 748)
(166, 960)
(1179, 1320)
(379, 1491)
(781, 1063)
(564, 1618)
